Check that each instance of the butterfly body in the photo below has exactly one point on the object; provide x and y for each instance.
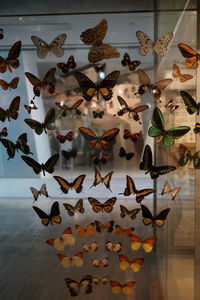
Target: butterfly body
(12, 60)
(71, 210)
(53, 217)
(158, 220)
(21, 145)
(191, 56)
(65, 186)
(132, 65)
(71, 64)
(12, 111)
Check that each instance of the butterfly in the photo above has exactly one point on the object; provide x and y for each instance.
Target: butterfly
(147, 245)
(176, 73)
(191, 105)
(146, 165)
(71, 64)
(53, 217)
(88, 230)
(127, 155)
(65, 186)
(11, 85)
(93, 247)
(55, 46)
(49, 122)
(99, 114)
(157, 129)
(37, 168)
(66, 239)
(133, 136)
(94, 37)
(171, 106)
(186, 156)
(124, 212)
(133, 112)
(21, 145)
(99, 68)
(134, 265)
(127, 231)
(98, 179)
(69, 154)
(131, 189)
(75, 287)
(97, 206)
(158, 220)
(75, 261)
(191, 56)
(12, 111)
(132, 65)
(100, 159)
(113, 247)
(100, 280)
(78, 207)
(46, 84)
(67, 137)
(72, 109)
(103, 141)
(196, 130)
(126, 288)
(146, 85)
(89, 88)
(3, 132)
(36, 193)
(30, 107)
(167, 190)
(100, 262)
(107, 227)
(147, 45)
(12, 60)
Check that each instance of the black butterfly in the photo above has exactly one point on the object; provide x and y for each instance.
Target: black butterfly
(12, 111)
(37, 168)
(21, 145)
(123, 153)
(146, 164)
(157, 220)
(73, 109)
(54, 215)
(30, 107)
(69, 154)
(191, 105)
(99, 114)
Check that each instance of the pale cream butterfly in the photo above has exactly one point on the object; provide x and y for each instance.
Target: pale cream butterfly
(54, 47)
(147, 45)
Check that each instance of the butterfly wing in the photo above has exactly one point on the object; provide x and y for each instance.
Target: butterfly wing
(37, 126)
(42, 46)
(189, 102)
(43, 190)
(78, 183)
(50, 163)
(162, 43)
(96, 204)
(106, 85)
(22, 144)
(88, 86)
(11, 61)
(174, 133)
(55, 213)
(13, 108)
(35, 193)
(123, 211)
(146, 44)
(157, 128)
(42, 215)
(133, 213)
(146, 163)
(102, 51)
(70, 209)
(36, 82)
(49, 121)
(107, 137)
(143, 77)
(56, 45)
(161, 217)
(192, 57)
(64, 184)
(37, 168)
(162, 84)
(147, 215)
(10, 147)
(148, 244)
(95, 34)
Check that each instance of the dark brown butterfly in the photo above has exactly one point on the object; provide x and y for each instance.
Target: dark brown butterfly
(124, 212)
(67, 137)
(48, 166)
(158, 220)
(12, 111)
(76, 287)
(133, 136)
(132, 65)
(89, 88)
(106, 179)
(46, 84)
(94, 36)
(103, 141)
(30, 107)
(53, 217)
(99, 114)
(12, 60)
(11, 85)
(171, 106)
(71, 64)
(191, 56)
(78, 207)
(127, 155)
(21, 145)
(107, 206)
(73, 109)
(133, 112)
(69, 154)
(3, 132)
(103, 158)
(99, 68)
(148, 86)
(65, 186)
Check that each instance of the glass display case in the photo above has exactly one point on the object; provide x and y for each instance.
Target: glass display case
(166, 263)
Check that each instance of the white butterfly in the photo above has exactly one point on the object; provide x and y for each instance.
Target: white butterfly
(147, 45)
(55, 47)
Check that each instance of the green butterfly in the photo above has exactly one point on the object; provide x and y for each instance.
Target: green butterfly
(186, 156)
(167, 136)
(37, 168)
(21, 145)
(146, 165)
(49, 122)
(190, 103)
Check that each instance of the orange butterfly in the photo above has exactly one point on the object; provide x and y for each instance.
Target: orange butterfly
(103, 158)
(125, 263)
(133, 136)
(90, 248)
(12, 85)
(98, 179)
(100, 262)
(178, 75)
(103, 141)
(107, 206)
(118, 288)
(147, 245)
(100, 227)
(120, 230)
(67, 137)
(12, 60)
(113, 247)
(88, 230)
(66, 239)
(76, 260)
(191, 56)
